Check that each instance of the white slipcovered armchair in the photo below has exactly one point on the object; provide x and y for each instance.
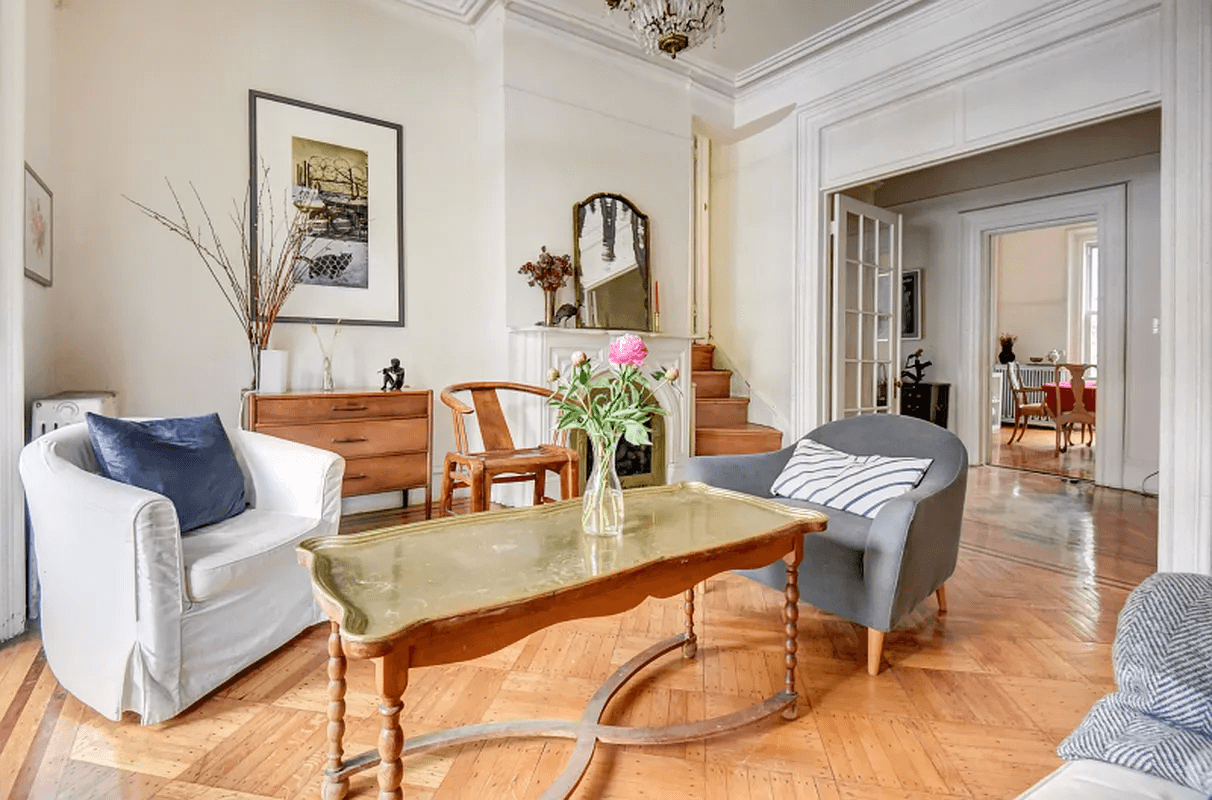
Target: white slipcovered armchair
(136, 617)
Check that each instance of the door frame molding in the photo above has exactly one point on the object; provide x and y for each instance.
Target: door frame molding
(1108, 207)
(944, 74)
(12, 318)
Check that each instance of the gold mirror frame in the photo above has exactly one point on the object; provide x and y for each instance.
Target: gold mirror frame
(621, 302)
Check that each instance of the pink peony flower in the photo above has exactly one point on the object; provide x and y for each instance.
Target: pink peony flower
(628, 349)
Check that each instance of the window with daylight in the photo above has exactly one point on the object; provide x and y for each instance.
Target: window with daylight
(1089, 310)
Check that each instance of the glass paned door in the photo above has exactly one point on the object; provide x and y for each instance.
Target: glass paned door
(866, 308)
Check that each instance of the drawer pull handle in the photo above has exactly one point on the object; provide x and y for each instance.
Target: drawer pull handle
(349, 408)
(360, 476)
(350, 440)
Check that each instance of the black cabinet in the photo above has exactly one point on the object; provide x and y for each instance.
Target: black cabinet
(926, 401)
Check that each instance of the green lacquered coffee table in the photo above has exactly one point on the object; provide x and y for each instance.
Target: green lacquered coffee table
(451, 590)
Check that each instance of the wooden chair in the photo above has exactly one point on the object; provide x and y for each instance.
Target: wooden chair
(1081, 413)
(1024, 410)
(501, 461)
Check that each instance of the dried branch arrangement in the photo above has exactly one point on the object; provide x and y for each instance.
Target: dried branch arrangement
(547, 271)
(254, 290)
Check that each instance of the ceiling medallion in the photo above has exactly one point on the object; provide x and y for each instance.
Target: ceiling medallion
(671, 26)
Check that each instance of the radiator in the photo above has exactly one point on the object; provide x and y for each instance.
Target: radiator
(1031, 375)
(53, 412)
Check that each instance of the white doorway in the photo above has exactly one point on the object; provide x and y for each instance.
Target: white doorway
(1046, 285)
(1106, 208)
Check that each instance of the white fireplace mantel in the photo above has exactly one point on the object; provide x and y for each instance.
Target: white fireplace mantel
(534, 351)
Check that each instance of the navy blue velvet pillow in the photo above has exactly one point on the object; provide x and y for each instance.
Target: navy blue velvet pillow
(189, 460)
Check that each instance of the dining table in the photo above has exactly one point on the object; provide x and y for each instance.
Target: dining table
(1089, 396)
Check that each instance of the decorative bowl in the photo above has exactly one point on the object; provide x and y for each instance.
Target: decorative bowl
(1036, 359)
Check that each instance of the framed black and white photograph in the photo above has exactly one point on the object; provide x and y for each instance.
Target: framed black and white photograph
(39, 229)
(911, 304)
(344, 173)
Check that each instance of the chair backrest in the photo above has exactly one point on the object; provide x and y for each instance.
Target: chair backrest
(1016, 381)
(72, 444)
(895, 435)
(1078, 380)
(494, 429)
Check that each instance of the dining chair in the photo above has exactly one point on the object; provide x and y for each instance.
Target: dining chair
(501, 461)
(1082, 390)
(1024, 409)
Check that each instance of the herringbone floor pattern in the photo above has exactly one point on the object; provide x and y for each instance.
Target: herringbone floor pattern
(970, 704)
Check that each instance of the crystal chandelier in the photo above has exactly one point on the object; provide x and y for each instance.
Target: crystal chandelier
(672, 26)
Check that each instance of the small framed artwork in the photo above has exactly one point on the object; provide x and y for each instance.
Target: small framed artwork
(911, 304)
(39, 229)
(344, 173)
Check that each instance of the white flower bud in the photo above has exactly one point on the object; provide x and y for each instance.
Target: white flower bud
(579, 358)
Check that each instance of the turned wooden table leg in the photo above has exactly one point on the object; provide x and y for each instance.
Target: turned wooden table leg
(330, 787)
(391, 675)
(691, 645)
(791, 616)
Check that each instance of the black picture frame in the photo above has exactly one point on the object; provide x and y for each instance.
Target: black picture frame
(276, 125)
(911, 304)
(38, 225)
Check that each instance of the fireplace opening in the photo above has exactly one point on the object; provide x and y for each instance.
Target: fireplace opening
(637, 466)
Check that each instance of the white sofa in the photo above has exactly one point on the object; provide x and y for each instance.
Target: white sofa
(136, 617)
(1098, 780)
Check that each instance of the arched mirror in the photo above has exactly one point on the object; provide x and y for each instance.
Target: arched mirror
(610, 262)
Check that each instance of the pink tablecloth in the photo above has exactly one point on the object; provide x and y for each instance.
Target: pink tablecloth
(1066, 396)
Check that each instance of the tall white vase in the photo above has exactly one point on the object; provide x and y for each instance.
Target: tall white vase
(273, 372)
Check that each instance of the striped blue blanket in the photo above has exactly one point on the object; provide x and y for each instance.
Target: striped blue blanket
(1160, 719)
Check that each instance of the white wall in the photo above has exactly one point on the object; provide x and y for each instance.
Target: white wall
(41, 156)
(579, 120)
(150, 90)
(505, 127)
(935, 226)
(753, 191)
(1033, 290)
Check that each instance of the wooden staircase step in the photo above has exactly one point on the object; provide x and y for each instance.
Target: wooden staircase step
(750, 438)
(711, 382)
(721, 412)
(702, 356)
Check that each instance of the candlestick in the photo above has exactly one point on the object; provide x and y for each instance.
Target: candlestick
(656, 296)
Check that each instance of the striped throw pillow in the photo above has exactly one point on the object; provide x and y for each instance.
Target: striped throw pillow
(813, 466)
(858, 484)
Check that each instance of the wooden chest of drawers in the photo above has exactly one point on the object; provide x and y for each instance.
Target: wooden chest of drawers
(386, 438)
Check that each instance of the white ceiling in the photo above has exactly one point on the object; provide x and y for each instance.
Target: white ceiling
(754, 29)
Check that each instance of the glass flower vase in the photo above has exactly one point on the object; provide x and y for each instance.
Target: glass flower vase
(602, 504)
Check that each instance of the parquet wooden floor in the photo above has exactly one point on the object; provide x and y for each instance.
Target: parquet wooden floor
(970, 704)
(1036, 452)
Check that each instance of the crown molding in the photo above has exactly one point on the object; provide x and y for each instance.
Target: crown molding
(836, 34)
(554, 17)
(467, 11)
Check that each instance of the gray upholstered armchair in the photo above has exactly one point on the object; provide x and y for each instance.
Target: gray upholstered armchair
(870, 571)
